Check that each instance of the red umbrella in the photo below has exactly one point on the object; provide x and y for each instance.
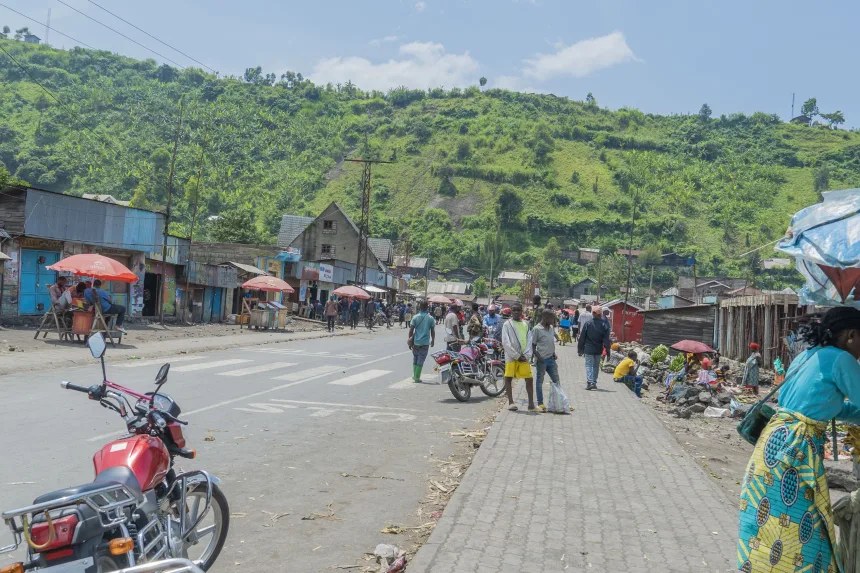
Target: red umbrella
(96, 266)
(351, 291)
(692, 346)
(270, 284)
(440, 299)
(457, 301)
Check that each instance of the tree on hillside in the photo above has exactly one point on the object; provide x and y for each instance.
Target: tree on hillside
(41, 105)
(542, 142)
(479, 286)
(705, 113)
(810, 108)
(494, 254)
(21, 32)
(834, 119)
(5, 33)
(483, 81)
(821, 180)
(235, 226)
(509, 206)
(590, 101)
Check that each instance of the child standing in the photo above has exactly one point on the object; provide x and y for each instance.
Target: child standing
(543, 349)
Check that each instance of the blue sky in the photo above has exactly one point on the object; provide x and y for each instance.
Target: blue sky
(661, 56)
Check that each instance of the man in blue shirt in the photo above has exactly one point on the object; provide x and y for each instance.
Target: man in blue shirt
(422, 335)
(105, 303)
(493, 323)
(354, 309)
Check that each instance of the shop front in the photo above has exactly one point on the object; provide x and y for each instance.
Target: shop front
(34, 278)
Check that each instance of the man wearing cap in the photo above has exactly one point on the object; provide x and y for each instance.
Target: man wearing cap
(593, 339)
(493, 323)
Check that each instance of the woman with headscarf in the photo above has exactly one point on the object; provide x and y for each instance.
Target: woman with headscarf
(751, 368)
(786, 521)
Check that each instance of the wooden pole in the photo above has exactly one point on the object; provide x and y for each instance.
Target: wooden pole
(167, 216)
(629, 271)
(194, 216)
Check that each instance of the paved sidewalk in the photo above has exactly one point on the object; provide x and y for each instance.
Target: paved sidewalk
(56, 354)
(606, 488)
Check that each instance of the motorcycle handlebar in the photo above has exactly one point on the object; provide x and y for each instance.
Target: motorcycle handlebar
(75, 387)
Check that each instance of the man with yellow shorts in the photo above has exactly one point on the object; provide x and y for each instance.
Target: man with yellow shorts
(515, 340)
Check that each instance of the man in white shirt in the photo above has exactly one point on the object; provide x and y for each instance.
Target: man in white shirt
(452, 329)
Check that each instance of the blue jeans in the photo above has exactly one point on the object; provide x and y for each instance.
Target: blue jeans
(592, 368)
(419, 354)
(545, 366)
(633, 382)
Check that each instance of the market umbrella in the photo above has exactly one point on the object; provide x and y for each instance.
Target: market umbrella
(692, 346)
(96, 266)
(824, 239)
(270, 284)
(351, 291)
(439, 298)
(457, 301)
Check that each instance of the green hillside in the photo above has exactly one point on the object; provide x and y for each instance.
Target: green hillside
(466, 162)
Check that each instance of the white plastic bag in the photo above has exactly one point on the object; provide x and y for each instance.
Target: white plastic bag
(711, 412)
(557, 402)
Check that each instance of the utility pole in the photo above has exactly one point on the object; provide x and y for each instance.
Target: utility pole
(629, 271)
(194, 219)
(792, 105)
(490, 292)
(598, 276)
(364, 220)
(48, 27)
(427, 275)
(167, 216)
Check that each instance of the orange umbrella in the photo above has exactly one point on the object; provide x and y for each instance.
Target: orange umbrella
(96, 266)
(271, 284)
(351, 291)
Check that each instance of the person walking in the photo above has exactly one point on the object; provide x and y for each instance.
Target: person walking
(370, 314)
(785, 487)
(475, 328)
(543, 350)
(401, 314)
(331, 313)
(422, 335)
(437, 312)
(343, 310)
(354, 310)
(751, 369)
(574, 325)
(593, 339)
(453, 333)
(518, 352)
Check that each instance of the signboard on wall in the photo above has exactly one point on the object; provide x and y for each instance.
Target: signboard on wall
(326, 273)
(290, 255)
(40, 244)
(273, 267)
(303, 291)
(310, 272)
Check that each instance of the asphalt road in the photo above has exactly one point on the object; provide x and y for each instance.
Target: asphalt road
(287, 421)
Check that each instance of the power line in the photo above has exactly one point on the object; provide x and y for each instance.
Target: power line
(153, 37)
(48, 26)
(180, 66)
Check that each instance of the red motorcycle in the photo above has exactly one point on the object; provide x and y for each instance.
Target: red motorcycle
(138, 509)
(473, 365)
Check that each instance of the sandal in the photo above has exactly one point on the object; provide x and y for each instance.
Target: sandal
(513, 407)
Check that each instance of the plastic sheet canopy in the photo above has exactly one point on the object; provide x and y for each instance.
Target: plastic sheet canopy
(824, 239)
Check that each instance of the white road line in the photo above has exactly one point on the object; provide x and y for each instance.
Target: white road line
(207, 365)
(275, 389)
(360, 377)
(336, 405)
(256, 369)
(403, 385)
(310, 372)
(158, 361)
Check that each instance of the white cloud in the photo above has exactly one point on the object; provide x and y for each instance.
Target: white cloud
(385, 40)
(420, 6)
(515, 84)
(422, 65)
(582, 58)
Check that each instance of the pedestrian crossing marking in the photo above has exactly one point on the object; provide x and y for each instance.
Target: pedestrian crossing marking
(360, 377)
(207, 365)
(158, 361)
(256, 369)
(300, 352)
(403, 384)
(301, 374)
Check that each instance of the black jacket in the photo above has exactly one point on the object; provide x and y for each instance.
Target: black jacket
(593, 338)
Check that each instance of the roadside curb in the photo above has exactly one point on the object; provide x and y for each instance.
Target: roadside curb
(62, 357)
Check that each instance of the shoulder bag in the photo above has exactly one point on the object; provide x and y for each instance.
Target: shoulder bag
(758, 417)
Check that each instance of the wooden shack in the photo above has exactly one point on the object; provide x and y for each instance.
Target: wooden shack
(764, 319)
(669, 325)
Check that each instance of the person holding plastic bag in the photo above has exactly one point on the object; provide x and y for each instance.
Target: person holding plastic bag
(543, 350)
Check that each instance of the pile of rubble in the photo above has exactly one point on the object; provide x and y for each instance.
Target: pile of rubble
(696, 399)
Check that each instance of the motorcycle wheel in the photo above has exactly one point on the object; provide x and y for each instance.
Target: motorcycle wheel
(461, 391)
(106, 564)
(212, 531)
(494, 383)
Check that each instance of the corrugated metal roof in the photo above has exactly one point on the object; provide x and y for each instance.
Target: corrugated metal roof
(513, 276)
(414, 262)
(382, 248)
(291, 227)
(439, 287)
(247, 268)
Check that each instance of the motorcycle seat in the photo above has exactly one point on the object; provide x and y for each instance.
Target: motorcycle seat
(116, 475)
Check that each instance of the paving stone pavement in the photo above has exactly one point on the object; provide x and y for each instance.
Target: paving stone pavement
(607, 488)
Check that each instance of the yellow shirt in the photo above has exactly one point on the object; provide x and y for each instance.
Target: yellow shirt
(624, 368)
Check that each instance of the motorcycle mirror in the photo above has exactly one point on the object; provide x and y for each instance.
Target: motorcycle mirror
(161, 377)
(96, 344)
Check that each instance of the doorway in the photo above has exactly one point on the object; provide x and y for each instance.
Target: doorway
(151, 284)
(33, 297)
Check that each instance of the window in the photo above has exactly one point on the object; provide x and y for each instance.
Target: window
(330, 227)
(328, 251)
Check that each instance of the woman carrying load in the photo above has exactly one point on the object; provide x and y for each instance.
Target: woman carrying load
(786, 522)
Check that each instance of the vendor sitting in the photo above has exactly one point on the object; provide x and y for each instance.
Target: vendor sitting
(707, 377)
(626, 372)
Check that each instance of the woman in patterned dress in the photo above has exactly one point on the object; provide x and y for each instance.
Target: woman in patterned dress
(786, 522)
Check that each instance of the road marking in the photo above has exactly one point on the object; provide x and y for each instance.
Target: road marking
(260, 408)
(386, 417)
(360, 377)
(323, 412)
(269, 391)
(207, 365)
(403, 385)
(343, 405)
(310, 372)
(256, 369)
(157, 361)
(301, 352)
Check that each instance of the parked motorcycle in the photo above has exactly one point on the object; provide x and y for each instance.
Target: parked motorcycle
(471, 366)
(139, 509)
